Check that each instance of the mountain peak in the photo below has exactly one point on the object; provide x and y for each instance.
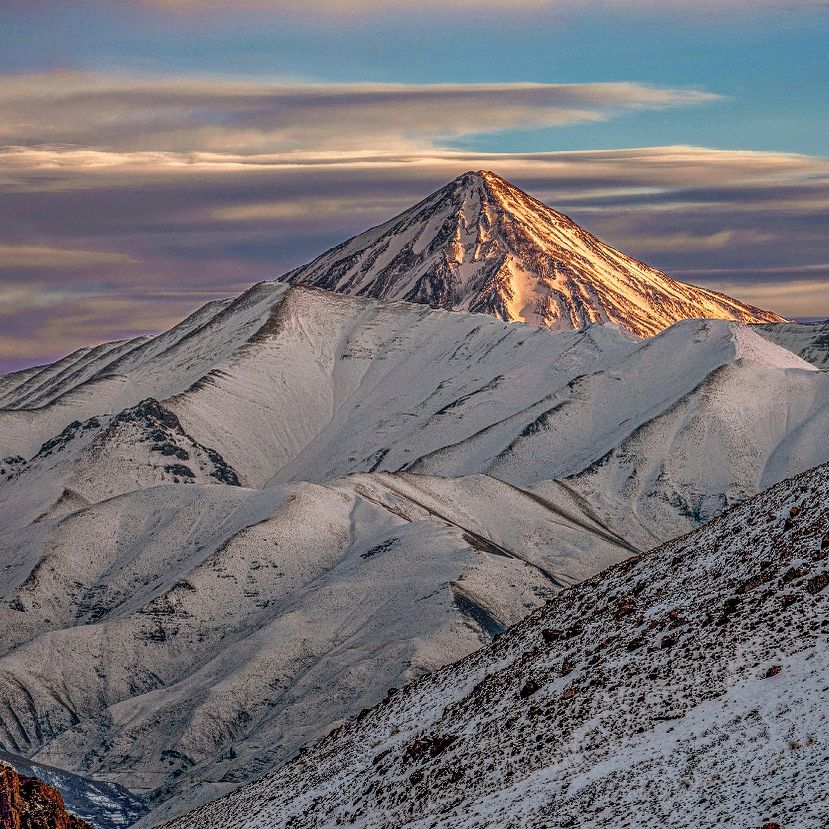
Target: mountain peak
(493, 186)
(477, 175)
(481, 244)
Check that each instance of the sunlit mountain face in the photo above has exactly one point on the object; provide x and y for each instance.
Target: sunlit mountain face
(481, 244)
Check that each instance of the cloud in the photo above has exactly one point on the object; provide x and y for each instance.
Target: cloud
(802, 295)
(211, 223)
(199, 115)
(284, 211)
(40, 256)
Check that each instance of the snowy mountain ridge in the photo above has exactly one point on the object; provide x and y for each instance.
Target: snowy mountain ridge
(480, 244)
(382, 485)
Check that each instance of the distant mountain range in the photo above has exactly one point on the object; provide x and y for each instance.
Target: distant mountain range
(221, 542)
(480, 244)
(809, 340)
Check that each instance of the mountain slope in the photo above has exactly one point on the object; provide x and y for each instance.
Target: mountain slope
(296, 384)
(480, 244)
(808, 340)
(410, 482)
(684, 688)
(183, 639)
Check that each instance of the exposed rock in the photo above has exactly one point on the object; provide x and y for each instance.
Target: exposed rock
(817, 583)
(28, 803)
(528, 689)
(550, 636)
(104, 804)
(434, 745)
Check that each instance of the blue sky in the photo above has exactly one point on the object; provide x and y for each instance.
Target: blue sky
(113, 97)
(770, 64)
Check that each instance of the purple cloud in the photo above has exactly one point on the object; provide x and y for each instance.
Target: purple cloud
(91, 241)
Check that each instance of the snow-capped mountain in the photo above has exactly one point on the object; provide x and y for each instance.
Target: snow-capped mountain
(217, 543)
(480, 244)
(683, 688)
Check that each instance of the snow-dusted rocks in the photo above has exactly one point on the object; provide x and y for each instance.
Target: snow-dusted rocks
(683, 688)
(481, 244)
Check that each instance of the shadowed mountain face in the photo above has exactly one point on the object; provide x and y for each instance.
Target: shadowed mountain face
(480, 244)
(810, 340)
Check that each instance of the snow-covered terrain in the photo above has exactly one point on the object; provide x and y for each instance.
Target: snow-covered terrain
(184, 634)
(217, 543)
(684, 688)
(481, 244)
(300, 384)
(809, 340)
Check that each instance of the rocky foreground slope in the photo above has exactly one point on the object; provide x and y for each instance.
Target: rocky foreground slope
(685, 688)
(481, 244)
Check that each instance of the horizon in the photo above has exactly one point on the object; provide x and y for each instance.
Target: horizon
(160, 155)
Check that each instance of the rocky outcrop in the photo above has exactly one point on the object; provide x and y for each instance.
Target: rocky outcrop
(28, 803)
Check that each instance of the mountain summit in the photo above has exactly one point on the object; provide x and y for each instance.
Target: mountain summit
(480, 244)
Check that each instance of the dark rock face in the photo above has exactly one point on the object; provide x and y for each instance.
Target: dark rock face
(104, 804)
(432, 746)
(28, 803)
(166, 433)
(528, 689)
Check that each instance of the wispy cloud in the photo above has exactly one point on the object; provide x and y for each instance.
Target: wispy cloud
(211, 223)
(41, 256)
(198, 114)
(806, 295)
